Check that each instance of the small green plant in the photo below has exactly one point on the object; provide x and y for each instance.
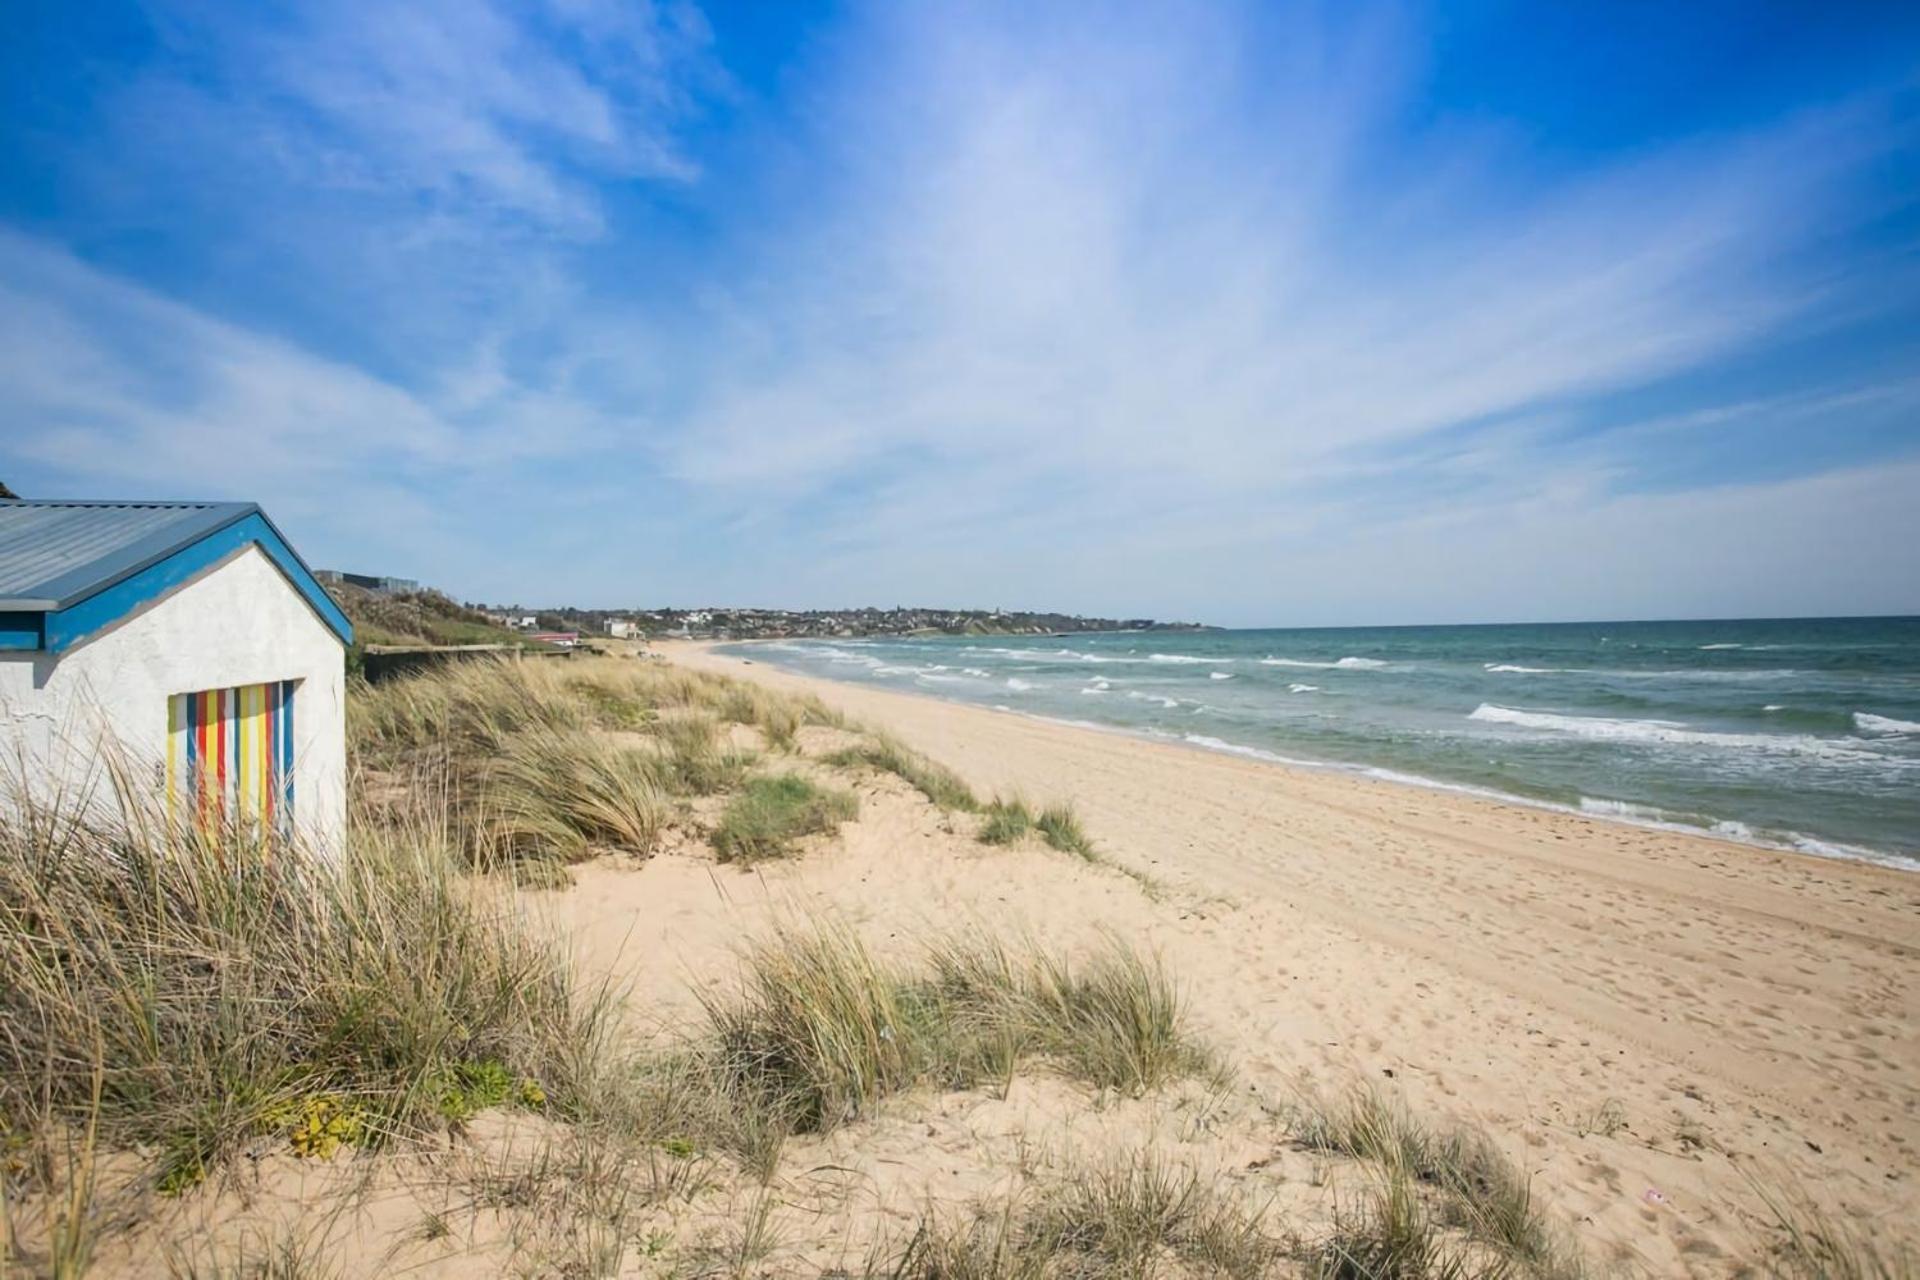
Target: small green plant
(1006, 822)
(769, 814)
(465, 1089)
(325, 1125)
(1060, 827)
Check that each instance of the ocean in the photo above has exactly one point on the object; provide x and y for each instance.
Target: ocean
(1799, 734)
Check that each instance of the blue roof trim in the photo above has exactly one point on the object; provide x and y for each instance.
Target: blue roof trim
(61, 629)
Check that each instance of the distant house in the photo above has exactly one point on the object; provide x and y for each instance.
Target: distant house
(368, 581)
(624, 629)
(193, 636)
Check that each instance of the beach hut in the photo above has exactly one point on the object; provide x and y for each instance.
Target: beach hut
(191, 635)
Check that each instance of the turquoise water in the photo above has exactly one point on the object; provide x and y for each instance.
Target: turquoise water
(1797, 733)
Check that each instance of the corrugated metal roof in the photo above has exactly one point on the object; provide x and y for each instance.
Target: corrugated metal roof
(55, 553)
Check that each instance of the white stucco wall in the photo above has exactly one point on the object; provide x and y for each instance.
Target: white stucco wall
(241, 622)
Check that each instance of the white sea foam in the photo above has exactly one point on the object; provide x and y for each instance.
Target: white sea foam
(1219, 675)
(1523, 671)
(1018, 685)
(1867, 723)
(1235, 749)
(1706, 647)
(1303, 688)
(1774, 706)
(1344, 664)
(1187, 659)
(1169, 703)
(1673, 733)
(976, 673)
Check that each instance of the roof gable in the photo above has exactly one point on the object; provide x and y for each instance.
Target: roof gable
(70, 569)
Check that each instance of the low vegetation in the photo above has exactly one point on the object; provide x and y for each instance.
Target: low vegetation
(822, 1030)
(545, 763)
(1010, 821)
(181, 992)
(768, 815)
(936, 782)
(1438, 1202)
(1127, 1218)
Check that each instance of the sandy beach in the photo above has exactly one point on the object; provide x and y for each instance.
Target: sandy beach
(1657, 1024)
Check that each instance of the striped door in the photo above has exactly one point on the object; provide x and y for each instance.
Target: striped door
(230, 756)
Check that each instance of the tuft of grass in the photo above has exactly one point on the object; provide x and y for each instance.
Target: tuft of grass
(1429, 1183)
(227, 990)
(1060, 827)
(1005, 821)
(1124, 1218)
(557, 794)
(936, 782)
(822, 1031)
(694, 761)
(1813, 1245)
(1010, 821)
(769, 814)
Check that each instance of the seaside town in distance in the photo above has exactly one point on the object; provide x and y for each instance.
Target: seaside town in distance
(756, 624)
(401, 609)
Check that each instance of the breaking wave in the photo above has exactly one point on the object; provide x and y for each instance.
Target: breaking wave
(1868, 723)
(1344, 664)
(1672, 733)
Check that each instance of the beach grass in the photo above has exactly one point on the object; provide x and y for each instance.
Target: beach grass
(821, 1030)
(939, 784)
(1005, 821)
(563, 793)
(1008, 821)
(1442, 1200)
(184, 992)
(1128, 1216)
(769, 814)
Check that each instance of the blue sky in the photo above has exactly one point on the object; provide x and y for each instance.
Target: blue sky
(1286, 314)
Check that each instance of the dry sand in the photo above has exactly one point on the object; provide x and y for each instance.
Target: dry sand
(1747, 1014)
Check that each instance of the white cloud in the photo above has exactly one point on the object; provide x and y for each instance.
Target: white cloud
(1117, 252)
(484, 112)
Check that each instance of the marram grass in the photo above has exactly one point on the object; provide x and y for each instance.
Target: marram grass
(228, 991)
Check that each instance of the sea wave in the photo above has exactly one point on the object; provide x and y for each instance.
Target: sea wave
(1162, 699)
(1673, 733)
(1523, 671)
(1705, 647)
(1251, 753)
(1018, 685)
(1868, 723)
(1344, 664)
(1219, 675)
(1187, 659)
(1303, 688)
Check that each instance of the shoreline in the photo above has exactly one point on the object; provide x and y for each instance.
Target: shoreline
(1750, 1012)
(1829, 851)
